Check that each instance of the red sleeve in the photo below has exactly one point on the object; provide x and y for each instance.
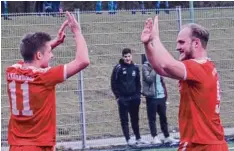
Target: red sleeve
(54, 75)
(194, 71)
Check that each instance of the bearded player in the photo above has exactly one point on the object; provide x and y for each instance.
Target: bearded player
(199, 112)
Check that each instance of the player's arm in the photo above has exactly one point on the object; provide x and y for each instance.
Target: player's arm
(60, 36)
(163, 62)
(160, 59)
(81, 60)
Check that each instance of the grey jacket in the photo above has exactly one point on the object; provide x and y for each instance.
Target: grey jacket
(148, 82)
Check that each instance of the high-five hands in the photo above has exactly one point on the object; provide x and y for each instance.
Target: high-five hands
(150, 30)
(72, 23)
(60, 36)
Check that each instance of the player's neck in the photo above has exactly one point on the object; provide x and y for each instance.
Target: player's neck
(31, 64)
(201, 55)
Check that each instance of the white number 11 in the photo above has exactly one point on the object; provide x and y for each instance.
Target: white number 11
(26, 108)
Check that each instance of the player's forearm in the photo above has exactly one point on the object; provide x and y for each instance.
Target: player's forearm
(81, 49)
(160, 53)
(53, 43)
(159, 57)
(81, 60)
(152, 57)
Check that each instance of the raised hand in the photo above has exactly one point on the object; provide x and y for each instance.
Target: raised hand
(155, 30)
(72, 23)
(150, 31)
(146, 33)
(60, 36)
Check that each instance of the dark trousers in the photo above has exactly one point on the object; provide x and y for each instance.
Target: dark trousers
(131, 107)
(39, 6)
(55, 6)
(4, 10)
(154, 106)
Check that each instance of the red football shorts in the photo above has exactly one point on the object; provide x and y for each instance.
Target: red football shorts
(31, 148)
(202, 147)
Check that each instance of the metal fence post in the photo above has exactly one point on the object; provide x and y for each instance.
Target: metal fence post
(81, 96)
(191, 10)
(179, 17)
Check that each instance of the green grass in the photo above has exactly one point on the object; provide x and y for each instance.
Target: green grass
(106, 36)
(230, 145)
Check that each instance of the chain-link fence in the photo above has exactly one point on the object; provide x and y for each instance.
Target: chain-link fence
(86, 109)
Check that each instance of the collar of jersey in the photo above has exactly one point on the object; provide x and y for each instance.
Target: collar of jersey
(201, 60)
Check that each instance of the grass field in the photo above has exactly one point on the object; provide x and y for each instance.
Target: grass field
(230, 145)
(106, 36)
(172, 148)
(147, 148)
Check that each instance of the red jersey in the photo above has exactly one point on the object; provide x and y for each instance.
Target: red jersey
(199, 118)
(31, 94)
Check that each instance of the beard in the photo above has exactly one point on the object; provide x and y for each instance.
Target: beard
(187, 54)
(182, 56)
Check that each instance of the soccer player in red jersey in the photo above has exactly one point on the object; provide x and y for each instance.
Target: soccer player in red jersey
(199, 112)
(31, 88)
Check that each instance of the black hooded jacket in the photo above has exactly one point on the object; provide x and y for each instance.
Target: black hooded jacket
(125, 80)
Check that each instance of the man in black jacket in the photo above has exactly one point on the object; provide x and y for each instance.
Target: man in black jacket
(126, 86)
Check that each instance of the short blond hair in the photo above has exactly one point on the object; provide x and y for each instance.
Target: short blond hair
(200, 32)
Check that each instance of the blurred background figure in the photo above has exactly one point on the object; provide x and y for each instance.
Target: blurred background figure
(39, 7)
(112, 7)
(99, 7)
(142, 6)
(4, 8)
(155, 92)
(158, 5)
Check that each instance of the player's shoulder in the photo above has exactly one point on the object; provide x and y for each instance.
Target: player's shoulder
(18, 67)
(202, 61)
(199, 62)
(14, 67)
(40, 70)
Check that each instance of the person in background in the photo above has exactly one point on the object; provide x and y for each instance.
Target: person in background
(158, 5)
(39, 7)
(55, 6)
(115, 6)
(4, 10)
(126, 86)
(99, 7)
(112, 7)
(48, 7)
(142, 6)
(154, 89)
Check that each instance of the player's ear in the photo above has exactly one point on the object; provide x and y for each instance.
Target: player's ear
(196, 42)
(38, 55)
